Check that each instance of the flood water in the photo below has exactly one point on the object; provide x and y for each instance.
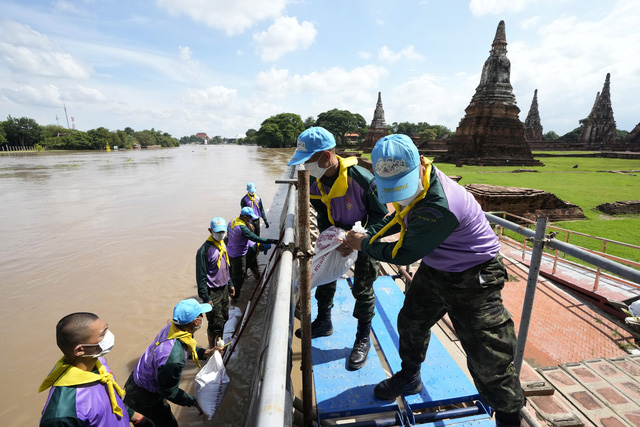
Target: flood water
(114, 233)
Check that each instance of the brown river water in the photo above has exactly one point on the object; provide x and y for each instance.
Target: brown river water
(114, 233)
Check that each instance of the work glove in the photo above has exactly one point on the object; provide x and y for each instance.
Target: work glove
(272, 241)
(144, 422)
(266, 247)
(266, 224)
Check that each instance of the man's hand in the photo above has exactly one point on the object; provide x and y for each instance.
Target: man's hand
(140, 420)
(354, 240)
(195, 405)
(344, 249)
(251, 227)
(266, 224)
(232, 292)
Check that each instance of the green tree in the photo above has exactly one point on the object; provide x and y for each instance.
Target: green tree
(100, 137)
(309, 122)
(54, 130)
(77, 140)
(341, 122)
(551, 135)
(280, 131)
(3, 134)
(428, 134)
(23, 131)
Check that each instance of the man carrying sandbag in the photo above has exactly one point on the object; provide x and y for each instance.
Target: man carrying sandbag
(156, 377)
(461, 273)
(342, 193)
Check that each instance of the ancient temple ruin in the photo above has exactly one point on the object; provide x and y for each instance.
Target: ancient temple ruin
(599, 132)
(491, 133)
(532, 126)
(528, 203)
(378, 128)
(632, 140)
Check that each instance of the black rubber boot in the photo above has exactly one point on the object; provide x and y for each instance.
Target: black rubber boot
(321, 327)
(405, 382)
(508, 419)
(361, 346)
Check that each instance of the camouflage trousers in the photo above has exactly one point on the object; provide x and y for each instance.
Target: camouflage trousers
(217, 317)
(238, 267)
(473, 301)
(365, 272)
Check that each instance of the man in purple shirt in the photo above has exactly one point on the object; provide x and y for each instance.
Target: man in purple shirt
(461, 273)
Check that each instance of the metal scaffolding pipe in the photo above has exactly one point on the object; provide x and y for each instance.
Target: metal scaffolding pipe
(274, 407)
(575, 251)
(532, 283)
(304, 239)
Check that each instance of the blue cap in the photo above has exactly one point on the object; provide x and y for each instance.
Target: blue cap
(187, 310)
(310, 142)
(251, 187)
(248, 212)
(396, 164)
(218, 224)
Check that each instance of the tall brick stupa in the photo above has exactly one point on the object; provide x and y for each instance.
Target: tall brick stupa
(378, 128)
(491, 134)
(599, 131)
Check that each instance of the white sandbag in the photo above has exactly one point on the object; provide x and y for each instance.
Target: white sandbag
(634, 308)
(211, 385)
(328, 264)
(234, 315)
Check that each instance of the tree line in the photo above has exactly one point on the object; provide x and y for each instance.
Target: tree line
(26, 132)
(282, 130)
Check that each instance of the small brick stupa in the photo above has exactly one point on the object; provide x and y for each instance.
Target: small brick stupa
(378, 128)
(599, 132)
(532, 126)
(491, 134)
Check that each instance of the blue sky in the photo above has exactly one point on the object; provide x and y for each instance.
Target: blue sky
(223, 66)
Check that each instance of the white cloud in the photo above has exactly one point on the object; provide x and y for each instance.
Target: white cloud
(283, 36)
(569, 64)
(529, 22)
(364, 55)
(25, 51)
(232, 17)
(322, 90)
(432, 99)
(43, 96)
(87, 94)
(213, 96)
(387, 55)
(495, 7)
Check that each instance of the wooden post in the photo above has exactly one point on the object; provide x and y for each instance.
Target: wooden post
(304, 238)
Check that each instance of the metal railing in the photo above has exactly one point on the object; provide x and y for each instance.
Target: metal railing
(274, 399)
(540, 239)
(559, 258)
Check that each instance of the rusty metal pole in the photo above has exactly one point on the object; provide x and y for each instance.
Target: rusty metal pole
(304, 238)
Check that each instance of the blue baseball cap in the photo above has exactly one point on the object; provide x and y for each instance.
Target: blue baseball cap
(218, 224)
(186, 311)
(396, 164)
(251, 187)
(310, 142)
(248, 212)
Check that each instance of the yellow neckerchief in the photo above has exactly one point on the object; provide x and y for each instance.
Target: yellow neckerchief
(252, 198)
(185, 337)
(236, 222)
(401, 213)
(222, 249)
(65, 375)
(339, 187)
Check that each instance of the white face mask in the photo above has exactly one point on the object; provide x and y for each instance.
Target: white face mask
(315, 170)
(105, 345)
(219, 236)
(407, 202)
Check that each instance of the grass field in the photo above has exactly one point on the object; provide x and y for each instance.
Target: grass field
(586, 185)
